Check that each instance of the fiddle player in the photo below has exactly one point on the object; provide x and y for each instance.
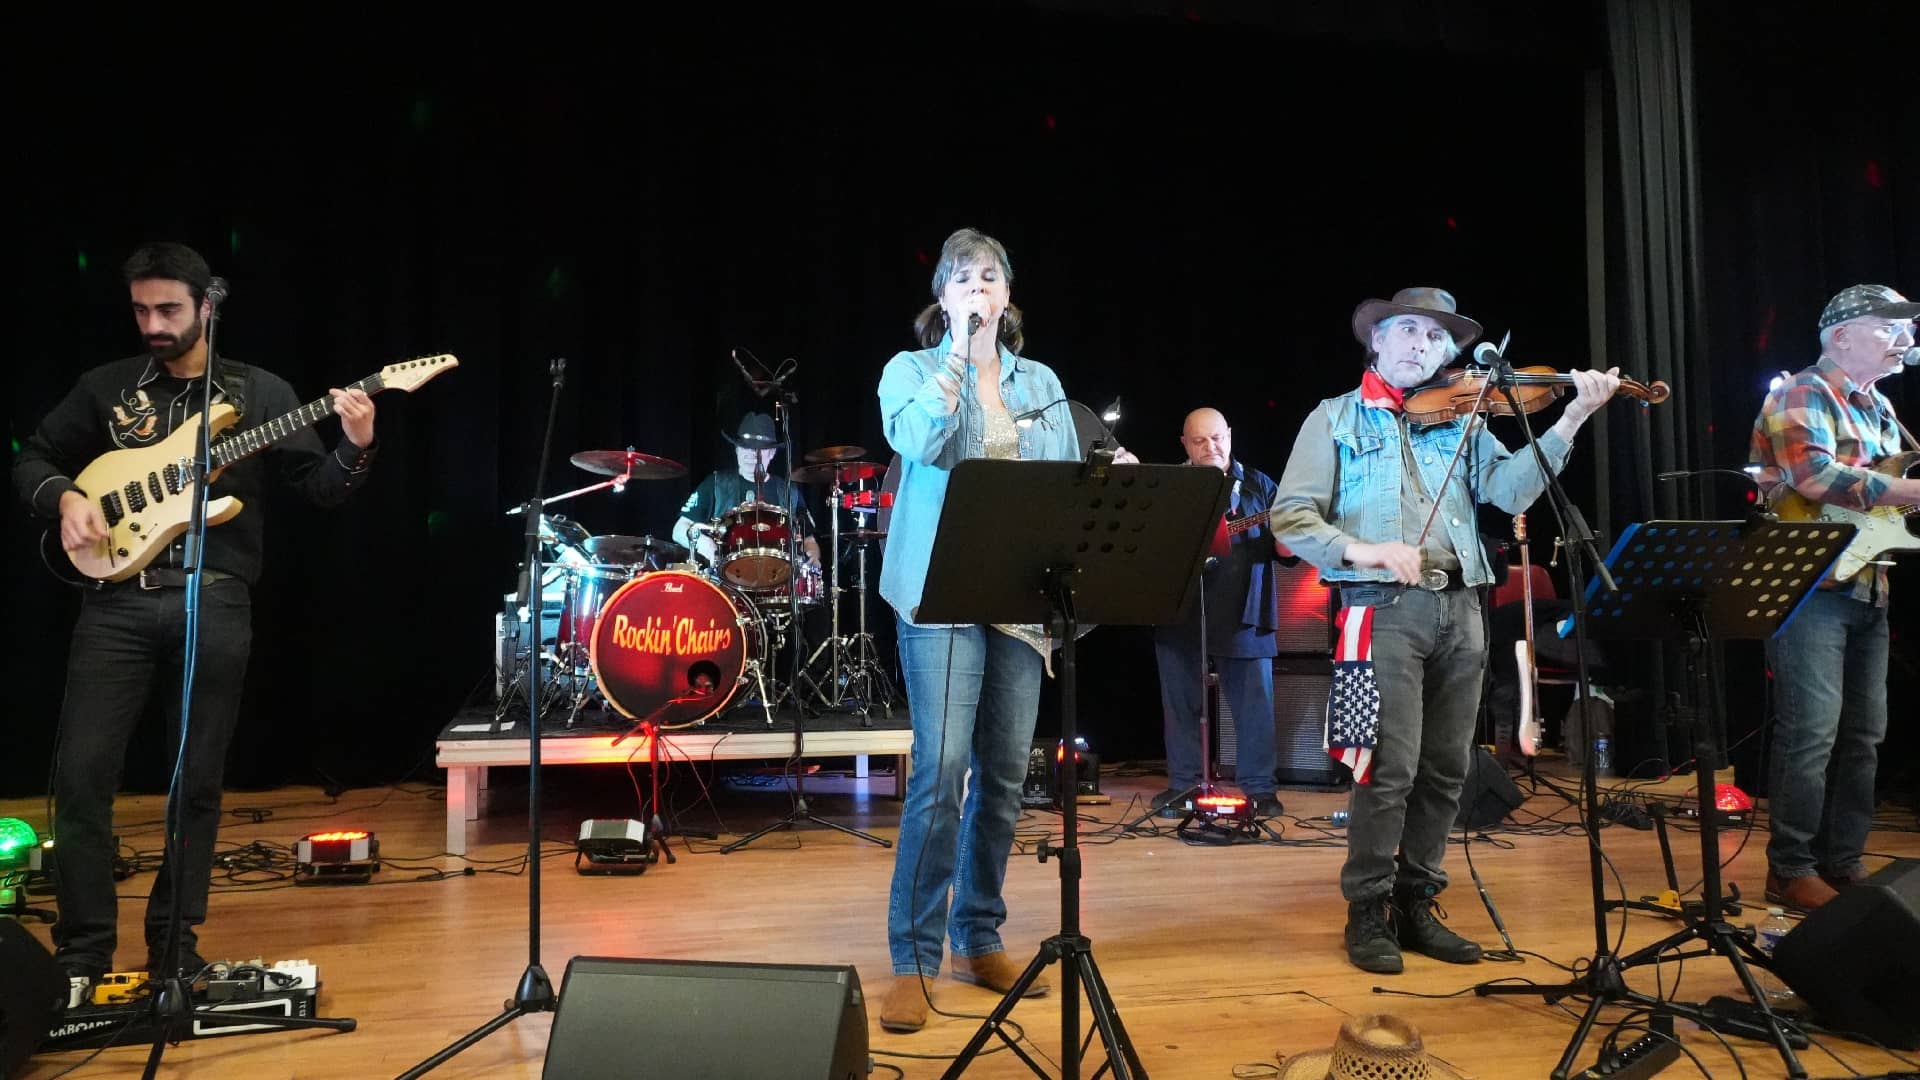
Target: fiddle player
(1819, 434)
(1353, 501)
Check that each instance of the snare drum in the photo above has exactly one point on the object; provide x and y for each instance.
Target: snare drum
(670, 635)
(753, 546)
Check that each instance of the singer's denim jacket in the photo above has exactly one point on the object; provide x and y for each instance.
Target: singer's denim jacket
(1342, 486)
(931, 441)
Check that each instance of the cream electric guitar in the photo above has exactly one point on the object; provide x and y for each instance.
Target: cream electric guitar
(1883, 529)
(146, 493)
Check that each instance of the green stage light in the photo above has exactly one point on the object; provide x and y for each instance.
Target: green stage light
(17, 841)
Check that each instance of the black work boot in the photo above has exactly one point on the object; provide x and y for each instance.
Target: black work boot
(1418, 915)
(1371, 945)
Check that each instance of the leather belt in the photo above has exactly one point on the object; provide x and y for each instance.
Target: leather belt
(163, 577)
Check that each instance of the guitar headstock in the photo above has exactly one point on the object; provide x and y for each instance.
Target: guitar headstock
(408, 374)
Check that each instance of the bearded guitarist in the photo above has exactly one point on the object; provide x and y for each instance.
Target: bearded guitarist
(1820, 434)
(1241, 617)
(128, 637)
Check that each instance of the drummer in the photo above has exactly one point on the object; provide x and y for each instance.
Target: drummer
(754, 447)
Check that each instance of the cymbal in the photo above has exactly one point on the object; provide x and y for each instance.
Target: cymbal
(828, 472)
(621, 462)
(863, 534)
(630, 550)
(836, 453)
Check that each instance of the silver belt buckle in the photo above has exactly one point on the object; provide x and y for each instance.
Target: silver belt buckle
(144, 585)
(1433, 580)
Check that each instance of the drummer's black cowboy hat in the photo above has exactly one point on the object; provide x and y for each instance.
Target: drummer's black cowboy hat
(756, 433)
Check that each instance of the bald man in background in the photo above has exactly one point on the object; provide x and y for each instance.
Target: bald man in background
(1241, 615)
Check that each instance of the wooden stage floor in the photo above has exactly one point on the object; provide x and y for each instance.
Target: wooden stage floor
(1219, 958)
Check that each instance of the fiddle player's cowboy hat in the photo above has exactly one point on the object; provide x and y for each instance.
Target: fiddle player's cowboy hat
(1437, 304)
(1376, 1047)
(756, 432)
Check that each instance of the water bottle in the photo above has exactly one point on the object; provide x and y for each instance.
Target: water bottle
(1602, 755)
(1765, 938)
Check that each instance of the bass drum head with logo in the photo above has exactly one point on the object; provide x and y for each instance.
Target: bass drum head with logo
(671, 635)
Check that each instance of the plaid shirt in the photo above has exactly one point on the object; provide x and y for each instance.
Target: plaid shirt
(1816, 433)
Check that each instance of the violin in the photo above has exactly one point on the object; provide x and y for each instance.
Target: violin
(1462, 391)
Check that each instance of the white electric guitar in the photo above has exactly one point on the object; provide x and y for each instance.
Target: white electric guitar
(146, 494)
(1883, 529)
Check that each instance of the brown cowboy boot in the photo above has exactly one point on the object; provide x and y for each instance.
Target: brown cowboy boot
(995, 972)
(904, 1008)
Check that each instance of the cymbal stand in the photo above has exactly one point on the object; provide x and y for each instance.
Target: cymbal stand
(865, 667)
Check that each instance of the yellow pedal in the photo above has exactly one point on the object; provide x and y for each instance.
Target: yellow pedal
(120, 987)
(1668, 899)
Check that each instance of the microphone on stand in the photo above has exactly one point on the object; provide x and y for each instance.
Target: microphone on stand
(1911, 357)
(217, 291)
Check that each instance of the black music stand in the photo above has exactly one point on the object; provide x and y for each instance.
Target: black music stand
(1694, 582)
(1095, 543)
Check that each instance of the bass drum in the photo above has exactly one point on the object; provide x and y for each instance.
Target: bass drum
(676, 637)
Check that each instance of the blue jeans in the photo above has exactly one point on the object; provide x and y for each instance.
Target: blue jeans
(1429, 650)
(1830, 678)
(127, 647)
(1247, 685)
(974, 693)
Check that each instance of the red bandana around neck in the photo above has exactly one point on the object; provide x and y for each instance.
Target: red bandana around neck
(1377, 394)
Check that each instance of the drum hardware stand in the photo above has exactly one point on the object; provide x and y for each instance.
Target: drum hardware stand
(854, 660)
(801, 811)
(534, 992)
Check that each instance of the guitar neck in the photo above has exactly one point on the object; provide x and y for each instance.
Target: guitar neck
(1240, 525)
(247, 443)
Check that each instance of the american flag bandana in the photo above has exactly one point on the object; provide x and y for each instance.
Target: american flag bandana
(1353, 704)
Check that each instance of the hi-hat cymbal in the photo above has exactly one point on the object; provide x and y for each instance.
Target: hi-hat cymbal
(843, 472)
(863, 534)
(837, 453)
(628, 462)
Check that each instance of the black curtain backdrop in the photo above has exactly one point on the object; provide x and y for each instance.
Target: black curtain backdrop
(1194, 196)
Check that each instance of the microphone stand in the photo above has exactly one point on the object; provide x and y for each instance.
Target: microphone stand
(801, 810)
(1603, 981)
(172, 1006)
(534, 993)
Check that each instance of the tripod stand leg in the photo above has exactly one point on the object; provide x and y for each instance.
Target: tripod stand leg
(514, 1012)
(1112, 1031)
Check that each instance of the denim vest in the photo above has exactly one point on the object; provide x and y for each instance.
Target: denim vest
(1366, 500)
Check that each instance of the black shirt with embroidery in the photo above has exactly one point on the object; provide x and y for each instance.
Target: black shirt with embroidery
(136, 403)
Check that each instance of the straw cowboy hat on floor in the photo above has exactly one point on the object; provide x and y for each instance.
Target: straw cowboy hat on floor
(1376, 1047)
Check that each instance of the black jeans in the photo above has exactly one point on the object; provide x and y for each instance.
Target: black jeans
(127, 646)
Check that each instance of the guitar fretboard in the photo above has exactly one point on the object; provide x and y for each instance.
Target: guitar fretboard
(255, 439)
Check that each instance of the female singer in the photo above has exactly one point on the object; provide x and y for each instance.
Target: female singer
(973, 690)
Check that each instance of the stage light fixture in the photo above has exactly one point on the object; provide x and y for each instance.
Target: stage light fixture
(341, 857)
(611, 846)
(17, 844)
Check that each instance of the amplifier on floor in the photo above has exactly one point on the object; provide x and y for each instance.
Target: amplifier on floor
(1856, 960)
(691, 1020)
(1300, 686)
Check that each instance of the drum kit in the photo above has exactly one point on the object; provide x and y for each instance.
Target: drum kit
(647, 628)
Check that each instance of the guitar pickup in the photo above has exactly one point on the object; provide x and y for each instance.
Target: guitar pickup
(153, 487)
(175, 478)
(136, 498)
(111, 509)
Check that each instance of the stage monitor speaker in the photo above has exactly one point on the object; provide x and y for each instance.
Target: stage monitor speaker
(691, 1020)
(32, 992)
(1490, 794)
(1856, 960)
